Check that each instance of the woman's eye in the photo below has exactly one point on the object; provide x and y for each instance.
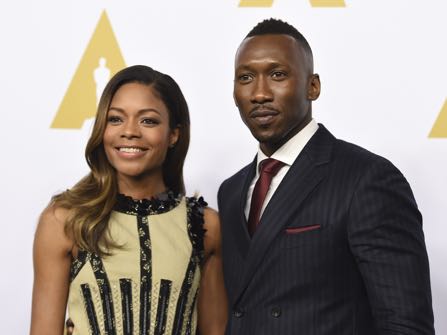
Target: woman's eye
(149, 121)
(114, 119)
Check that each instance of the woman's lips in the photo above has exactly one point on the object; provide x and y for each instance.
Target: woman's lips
(130, 152)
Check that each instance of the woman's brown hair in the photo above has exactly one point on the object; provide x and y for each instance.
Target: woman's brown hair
(92, 199)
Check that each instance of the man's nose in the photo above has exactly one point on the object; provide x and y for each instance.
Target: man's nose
(262, 91)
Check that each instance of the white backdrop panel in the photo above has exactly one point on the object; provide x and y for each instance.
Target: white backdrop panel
(384, 81)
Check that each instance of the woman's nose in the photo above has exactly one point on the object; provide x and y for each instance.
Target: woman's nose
(131, 130)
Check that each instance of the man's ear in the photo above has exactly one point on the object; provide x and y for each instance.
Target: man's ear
(313, 90)
(173, 137)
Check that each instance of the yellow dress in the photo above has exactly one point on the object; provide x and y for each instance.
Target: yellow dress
(150, 285)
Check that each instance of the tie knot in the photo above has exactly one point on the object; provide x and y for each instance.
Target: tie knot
(270, 166)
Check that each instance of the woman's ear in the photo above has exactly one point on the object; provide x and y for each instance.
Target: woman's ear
(173, 137)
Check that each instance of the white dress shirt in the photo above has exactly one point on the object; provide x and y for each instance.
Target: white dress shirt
(287, 154)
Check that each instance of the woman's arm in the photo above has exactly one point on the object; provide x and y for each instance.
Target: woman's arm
(52, 259)
(212, 299)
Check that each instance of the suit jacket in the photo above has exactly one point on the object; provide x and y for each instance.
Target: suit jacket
(339, 249)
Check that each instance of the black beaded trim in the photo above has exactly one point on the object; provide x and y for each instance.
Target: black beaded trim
(162, 203)
(106, 294)
(145, 274)
(78, 264)
(179, 318)
(163, 305)
(195, 208)
(90, 309)
(191, 311)
(126, 305)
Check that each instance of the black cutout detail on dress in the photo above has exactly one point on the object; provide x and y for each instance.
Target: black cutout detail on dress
(105, 292)
(163, 305)
(126, 305)
(180, 310)
(78, 264)
(145, 274)
(191, 311)
(195, 208)
(162, 203)
(90, 309)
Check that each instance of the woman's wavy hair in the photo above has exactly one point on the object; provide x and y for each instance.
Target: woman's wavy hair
(92, 199)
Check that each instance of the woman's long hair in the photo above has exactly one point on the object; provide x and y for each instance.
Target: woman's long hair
(92, 199)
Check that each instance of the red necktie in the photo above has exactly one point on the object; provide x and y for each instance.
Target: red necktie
(269, 168)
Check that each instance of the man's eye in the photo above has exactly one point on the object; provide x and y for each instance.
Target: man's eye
(244, 78)
(114, 119)
(278, 75)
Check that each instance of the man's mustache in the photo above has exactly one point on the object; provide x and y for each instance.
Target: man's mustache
(263, 110)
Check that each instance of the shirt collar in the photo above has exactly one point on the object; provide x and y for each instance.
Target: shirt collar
(290, 150)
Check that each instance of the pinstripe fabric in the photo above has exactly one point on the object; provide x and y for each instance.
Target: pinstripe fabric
(361, 270)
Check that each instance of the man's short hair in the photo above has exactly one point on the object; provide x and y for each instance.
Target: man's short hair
(279, 27)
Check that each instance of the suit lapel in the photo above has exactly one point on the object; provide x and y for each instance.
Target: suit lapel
(308, 170)
(240, 233)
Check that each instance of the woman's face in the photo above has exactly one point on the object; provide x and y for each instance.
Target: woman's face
(137, 135)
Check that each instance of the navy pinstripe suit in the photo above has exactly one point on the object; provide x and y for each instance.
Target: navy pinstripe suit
(339, 250)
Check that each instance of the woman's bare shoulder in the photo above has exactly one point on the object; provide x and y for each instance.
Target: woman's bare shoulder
(211, 216)
(50, 230)
(54, 214)
(212, 230)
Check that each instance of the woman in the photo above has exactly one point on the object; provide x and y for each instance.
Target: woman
(124, 249)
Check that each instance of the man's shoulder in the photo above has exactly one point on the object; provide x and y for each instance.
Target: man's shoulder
(354, 151)
(351, 157)
(239, 176)
(345, 152)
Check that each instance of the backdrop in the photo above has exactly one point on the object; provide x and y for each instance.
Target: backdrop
(382, 65)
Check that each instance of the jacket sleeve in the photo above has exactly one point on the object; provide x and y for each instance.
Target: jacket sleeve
(386, 238)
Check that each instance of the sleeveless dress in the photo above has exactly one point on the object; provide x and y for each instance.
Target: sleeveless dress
(150, 285)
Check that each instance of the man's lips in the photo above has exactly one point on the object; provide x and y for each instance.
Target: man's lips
(261, 111)
(263, 116)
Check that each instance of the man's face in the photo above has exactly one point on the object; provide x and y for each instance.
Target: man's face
(273, 88)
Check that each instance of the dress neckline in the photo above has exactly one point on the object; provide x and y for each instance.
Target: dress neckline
(161, 203)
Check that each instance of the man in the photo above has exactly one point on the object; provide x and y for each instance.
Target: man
(329, 240)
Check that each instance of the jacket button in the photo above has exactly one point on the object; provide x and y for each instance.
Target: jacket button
(237, 313)
(275, 312)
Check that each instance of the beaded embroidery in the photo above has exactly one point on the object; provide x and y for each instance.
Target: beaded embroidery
(162, 203)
